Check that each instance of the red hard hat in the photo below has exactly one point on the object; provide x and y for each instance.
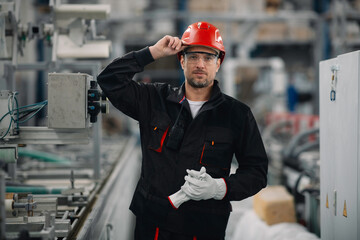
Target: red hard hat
(204, 34)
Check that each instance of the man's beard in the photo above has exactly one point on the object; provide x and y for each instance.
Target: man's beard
(196, 84)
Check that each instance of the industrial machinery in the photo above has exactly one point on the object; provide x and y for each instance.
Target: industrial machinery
(49, 183)
(55, 195)
(292, 144)
(71, 32)
(74, 102)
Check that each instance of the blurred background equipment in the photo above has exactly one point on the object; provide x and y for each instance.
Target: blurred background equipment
(67, 171)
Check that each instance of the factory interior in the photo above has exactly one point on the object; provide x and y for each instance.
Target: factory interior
(70, 161)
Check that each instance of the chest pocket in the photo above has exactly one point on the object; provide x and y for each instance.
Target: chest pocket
(159, 128)
(217, 149)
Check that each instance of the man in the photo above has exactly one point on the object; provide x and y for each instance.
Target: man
(189, 135)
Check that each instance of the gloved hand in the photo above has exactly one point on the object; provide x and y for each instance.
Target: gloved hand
(201, 186)
(178, 198)
(197, 174)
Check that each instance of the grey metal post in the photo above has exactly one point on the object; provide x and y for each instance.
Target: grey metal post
(12, 170)
(97, 148)
(9, 77)
(97, 130)
(2, 205)
(318, 55)
(15, 34)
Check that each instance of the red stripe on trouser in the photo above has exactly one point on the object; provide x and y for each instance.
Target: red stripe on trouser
(156, 234)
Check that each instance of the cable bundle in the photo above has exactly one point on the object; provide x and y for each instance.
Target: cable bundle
(20, 114)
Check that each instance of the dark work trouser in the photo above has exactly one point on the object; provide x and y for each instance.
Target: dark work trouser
(144, 230)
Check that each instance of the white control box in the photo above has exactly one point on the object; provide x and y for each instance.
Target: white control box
(339, 147)
(67, 100)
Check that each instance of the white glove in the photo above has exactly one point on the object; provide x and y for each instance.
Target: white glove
(201, 186)
(178, 198)
(200, 175)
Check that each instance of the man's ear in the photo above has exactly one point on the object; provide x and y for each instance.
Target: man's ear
(182, 61)
(218, 64)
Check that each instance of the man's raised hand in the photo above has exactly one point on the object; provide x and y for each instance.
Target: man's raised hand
(166, 46)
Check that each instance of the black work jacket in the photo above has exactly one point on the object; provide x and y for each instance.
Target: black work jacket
(223, 127)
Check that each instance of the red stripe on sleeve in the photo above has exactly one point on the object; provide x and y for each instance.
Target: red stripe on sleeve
(171, 203)
(226, 187)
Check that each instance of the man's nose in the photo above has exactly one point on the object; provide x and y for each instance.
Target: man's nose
(200, 63)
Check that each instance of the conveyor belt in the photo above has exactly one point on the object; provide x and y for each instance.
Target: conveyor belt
(110, 215)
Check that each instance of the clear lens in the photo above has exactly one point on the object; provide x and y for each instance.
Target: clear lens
(194, 57)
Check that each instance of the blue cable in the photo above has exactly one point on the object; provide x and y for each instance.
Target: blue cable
(31, 115)
(35, 106)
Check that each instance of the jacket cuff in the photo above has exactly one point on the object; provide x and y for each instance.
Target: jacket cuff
(222, 189)
(143, 56)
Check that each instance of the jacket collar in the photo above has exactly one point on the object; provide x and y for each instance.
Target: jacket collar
(177, 95)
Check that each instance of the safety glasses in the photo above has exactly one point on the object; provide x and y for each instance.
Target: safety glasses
(207, 58)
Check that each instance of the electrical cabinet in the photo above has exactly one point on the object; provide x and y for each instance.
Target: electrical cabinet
(339, 147)
(68, 100)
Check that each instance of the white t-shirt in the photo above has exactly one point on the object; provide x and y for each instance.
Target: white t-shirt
(195, 106)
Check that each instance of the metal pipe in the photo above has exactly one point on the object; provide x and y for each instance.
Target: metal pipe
(43, 156)
(65, 216)
(289, 149)
(305, 147)
(33, 190)
(85, 65)
(191, 17)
